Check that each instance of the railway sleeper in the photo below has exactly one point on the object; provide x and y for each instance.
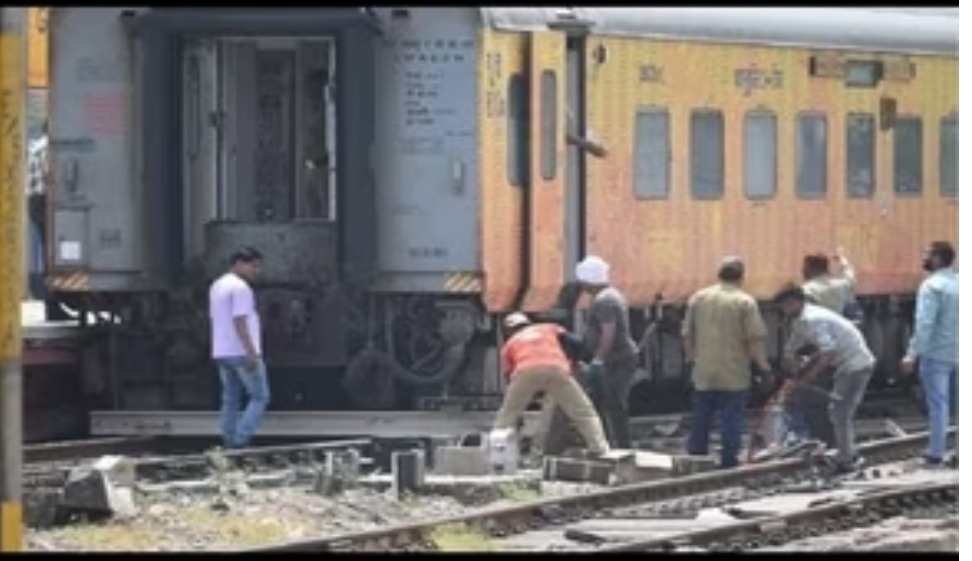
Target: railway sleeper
(807, 524)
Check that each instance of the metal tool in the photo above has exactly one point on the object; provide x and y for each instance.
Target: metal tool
(815, 389)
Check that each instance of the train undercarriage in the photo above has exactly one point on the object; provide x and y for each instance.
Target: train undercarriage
(408, 353)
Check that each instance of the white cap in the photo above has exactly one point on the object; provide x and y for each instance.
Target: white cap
(593, 270)
(515, 319)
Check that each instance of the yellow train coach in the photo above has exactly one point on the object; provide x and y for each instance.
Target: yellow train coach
(766, 133)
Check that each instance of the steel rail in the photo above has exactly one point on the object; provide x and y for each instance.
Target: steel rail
(74, 449)
(858, 511)
(503, 521)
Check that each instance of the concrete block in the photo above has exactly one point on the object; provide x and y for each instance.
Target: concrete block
(654, 461)
(339, 471)
(470, 456)
(346, 465)
(503, 451)
(688, 465)
(461, 460)
(325, 481)
(105, 487)
(645, 466)
(408, 471)
(625, 466)
(119, 470)
(578, 470)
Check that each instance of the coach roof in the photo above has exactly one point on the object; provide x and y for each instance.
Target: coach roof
(891, 30)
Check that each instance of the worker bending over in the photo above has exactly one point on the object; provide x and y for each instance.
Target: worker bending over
(723, 333)
(834, 342)
(807, 409)
(534, 361)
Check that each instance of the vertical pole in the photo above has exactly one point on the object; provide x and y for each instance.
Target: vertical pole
(12, 156)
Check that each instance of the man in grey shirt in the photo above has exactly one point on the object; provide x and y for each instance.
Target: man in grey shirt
(806, 407)
(836, 343)
(607, 336)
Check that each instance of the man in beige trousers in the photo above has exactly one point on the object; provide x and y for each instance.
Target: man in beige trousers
(534, 361)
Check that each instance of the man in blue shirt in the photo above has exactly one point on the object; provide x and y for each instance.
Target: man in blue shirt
(934, 345)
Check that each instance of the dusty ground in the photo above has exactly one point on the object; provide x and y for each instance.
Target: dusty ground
(241, 517)
(184, 522)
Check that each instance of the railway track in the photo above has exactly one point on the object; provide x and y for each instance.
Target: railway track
(651, 428)
(715, 488)
(158, 459)
(48, 485)
(774, 531)
(73, 450)
(162, 468)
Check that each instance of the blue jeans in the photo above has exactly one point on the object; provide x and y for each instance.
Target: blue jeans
(237, 378)
(35, 265)
(36, 248)
(731, 406)
(940, 382)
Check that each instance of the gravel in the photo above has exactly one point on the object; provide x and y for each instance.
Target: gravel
(243, 517)
(895, 534)
(251, 517)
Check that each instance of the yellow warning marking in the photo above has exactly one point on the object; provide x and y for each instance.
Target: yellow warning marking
(462, 282)
(11, 526)
(12, 78)
(74, 282)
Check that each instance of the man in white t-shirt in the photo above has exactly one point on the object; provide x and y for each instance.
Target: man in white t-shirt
(237, 349)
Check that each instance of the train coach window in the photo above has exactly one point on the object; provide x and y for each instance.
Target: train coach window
(860, 155)
(548, 125)
(759, 153)
(908, 164)
(707, 159)
(811, 148)
(948, 156)
(517, 131)
(652, 154)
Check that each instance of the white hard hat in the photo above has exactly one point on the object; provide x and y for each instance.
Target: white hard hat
(593, 270)
(515, 319)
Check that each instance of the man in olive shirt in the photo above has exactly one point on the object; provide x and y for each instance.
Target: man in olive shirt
(607, 336)
(723, 333)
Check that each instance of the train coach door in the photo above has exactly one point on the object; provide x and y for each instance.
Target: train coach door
(546, 193)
